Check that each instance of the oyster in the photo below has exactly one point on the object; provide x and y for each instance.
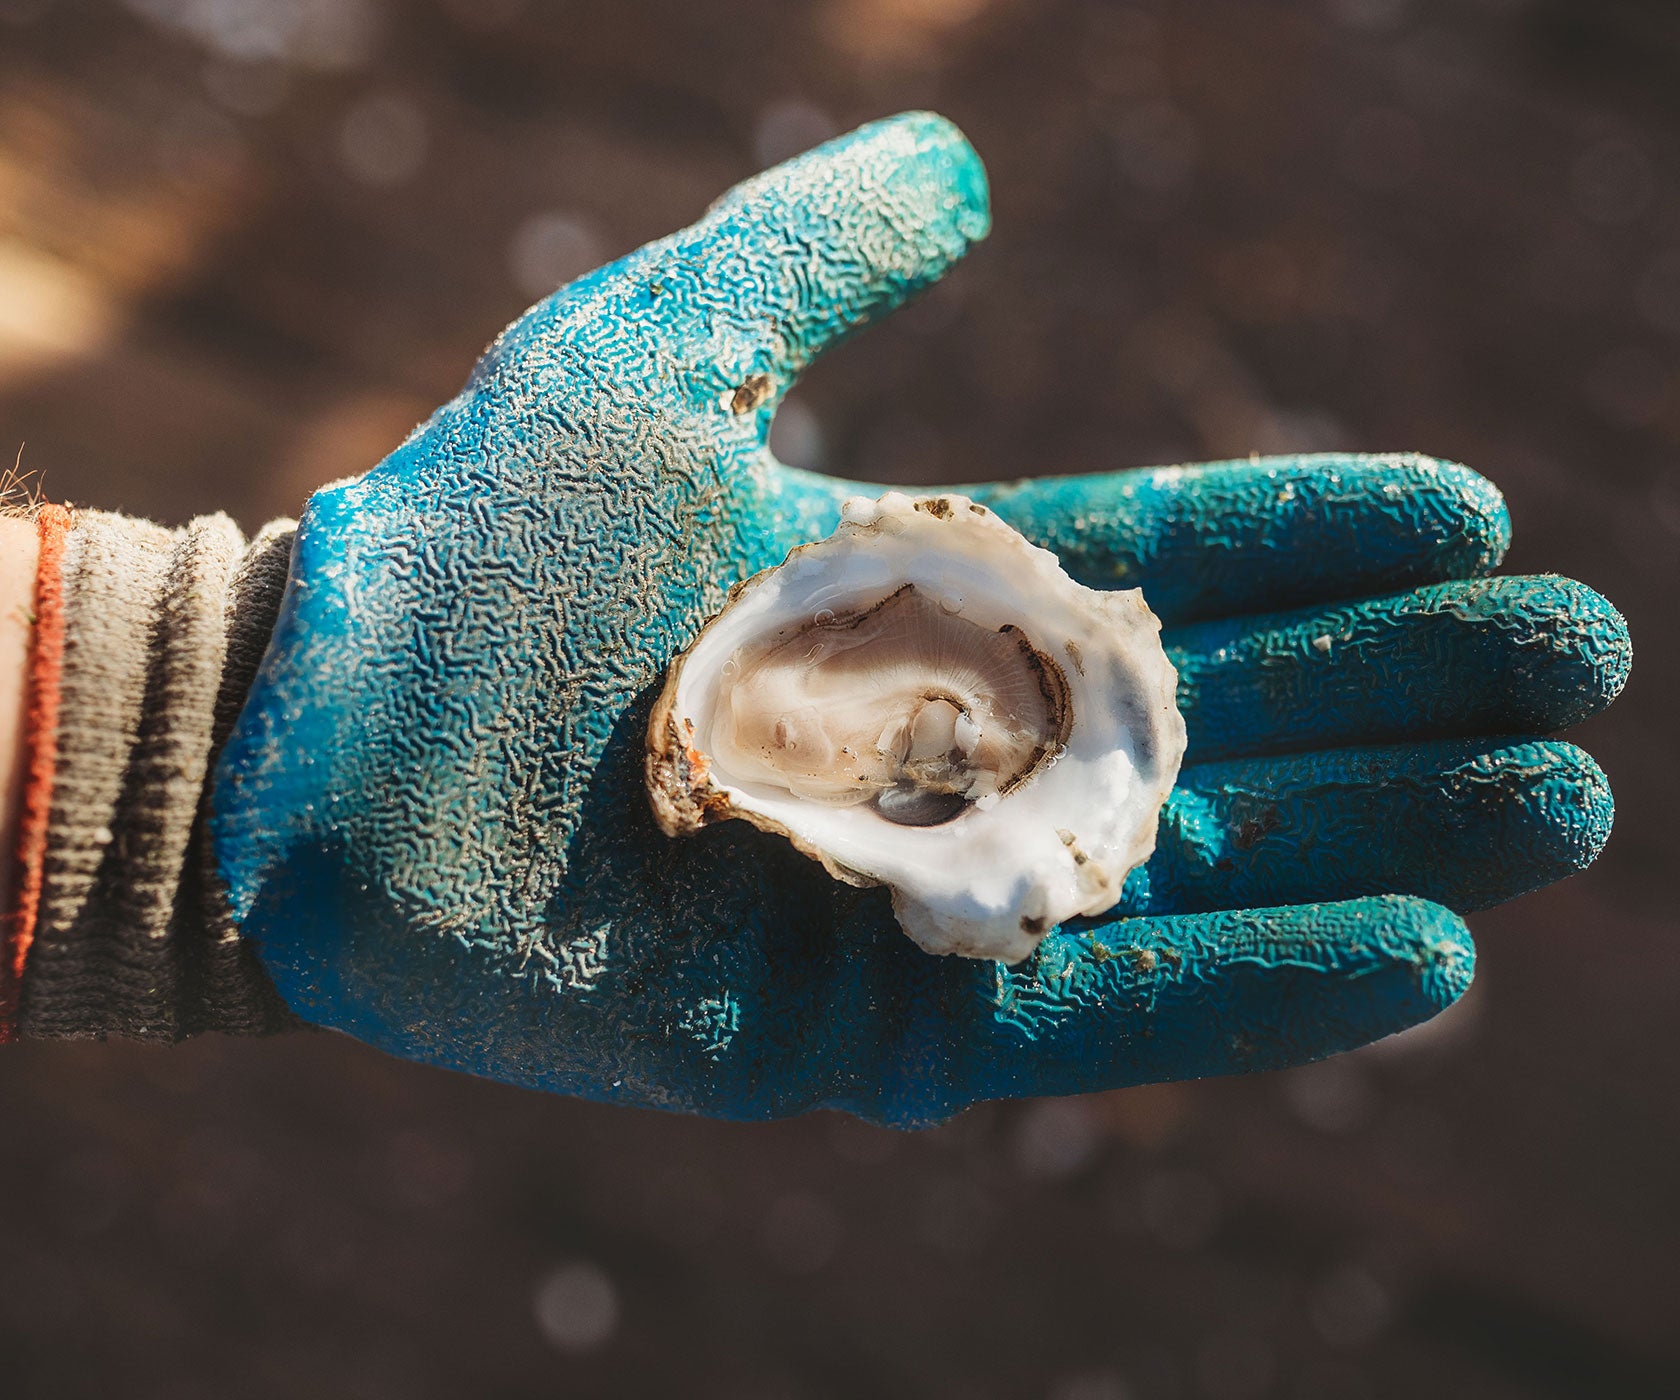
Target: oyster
(925, 700)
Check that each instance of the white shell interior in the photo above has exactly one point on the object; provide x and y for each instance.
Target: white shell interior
(993, 879)
(907, 704)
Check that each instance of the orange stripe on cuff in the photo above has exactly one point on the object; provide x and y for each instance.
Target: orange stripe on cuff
(46, 676)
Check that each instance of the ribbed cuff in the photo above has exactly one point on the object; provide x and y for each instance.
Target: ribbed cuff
(161, 637)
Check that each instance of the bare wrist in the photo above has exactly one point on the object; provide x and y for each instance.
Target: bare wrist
(18, 549)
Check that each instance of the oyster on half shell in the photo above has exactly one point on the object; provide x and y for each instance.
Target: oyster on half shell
(925, 700)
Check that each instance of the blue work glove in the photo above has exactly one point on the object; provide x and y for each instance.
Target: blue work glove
(431, 817)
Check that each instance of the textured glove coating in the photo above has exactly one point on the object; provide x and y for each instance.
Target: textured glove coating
(430, 818)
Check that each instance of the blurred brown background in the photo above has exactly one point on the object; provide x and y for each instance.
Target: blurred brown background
(245, 244)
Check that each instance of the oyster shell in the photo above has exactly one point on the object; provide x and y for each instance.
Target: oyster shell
(925, 700)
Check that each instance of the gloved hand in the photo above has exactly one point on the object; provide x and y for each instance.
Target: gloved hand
(431, 817)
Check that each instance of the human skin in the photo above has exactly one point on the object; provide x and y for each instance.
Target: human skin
(18, 549)
(430, 817)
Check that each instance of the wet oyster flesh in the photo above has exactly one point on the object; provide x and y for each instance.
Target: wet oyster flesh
(925, 700)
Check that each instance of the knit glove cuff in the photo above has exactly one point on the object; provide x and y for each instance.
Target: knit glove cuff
(162, 631)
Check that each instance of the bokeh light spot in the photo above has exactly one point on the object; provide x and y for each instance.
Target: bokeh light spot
(576, 1308)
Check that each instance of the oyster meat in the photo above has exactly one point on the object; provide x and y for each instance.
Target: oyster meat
(924, 700)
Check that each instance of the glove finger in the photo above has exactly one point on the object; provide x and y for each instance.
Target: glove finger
(1233, 538)
(1487, 656)
(1466, 823)
(789, 262)
(1138, 1001)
